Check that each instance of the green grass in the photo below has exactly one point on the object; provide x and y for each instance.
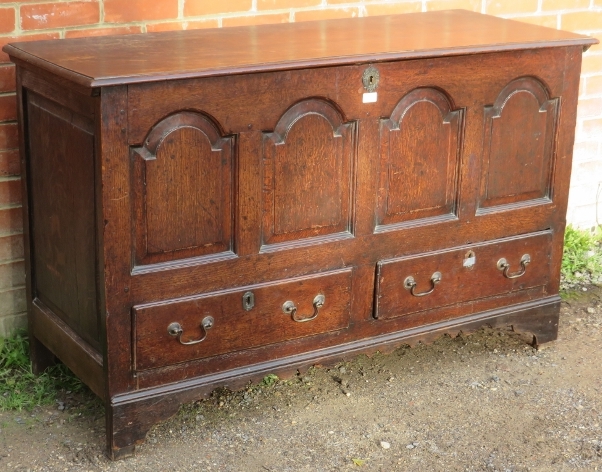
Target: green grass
(20, 389)
(582, 257)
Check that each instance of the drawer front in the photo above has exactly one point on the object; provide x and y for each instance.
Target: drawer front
(422, 282)
(239, 319)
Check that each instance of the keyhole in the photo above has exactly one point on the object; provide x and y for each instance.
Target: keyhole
(248, 301)
(371, 79)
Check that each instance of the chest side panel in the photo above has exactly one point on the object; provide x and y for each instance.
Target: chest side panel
(60, 158)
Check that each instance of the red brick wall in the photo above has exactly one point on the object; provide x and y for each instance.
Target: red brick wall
(36, 19)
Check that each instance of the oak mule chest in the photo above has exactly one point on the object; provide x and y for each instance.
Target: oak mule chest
(203, 208)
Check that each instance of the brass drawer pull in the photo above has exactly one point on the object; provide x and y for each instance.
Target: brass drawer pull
(290, 308)
(503, 265)
(410, 284)
(176, 330)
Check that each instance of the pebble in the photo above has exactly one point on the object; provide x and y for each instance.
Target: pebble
(590, 310)
(385, 445)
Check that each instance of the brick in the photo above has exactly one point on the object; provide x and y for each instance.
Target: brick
(7, 20)
(123, 11)
(11, 323)
(10, 192)
(81, 33)
(504, 7)
(10, 164)
(592, 64)
(205, 7)
(393, 8)
(591, 170)
(8, 107)
(59, 15)
(550, 21)
(589, 108)
(582, 194)
(9, 137)
(28, 37)
(7, 78)
(473, 5)
(11, 220)
(281, 4)
(13, 301)
(550, 5)
(326, 14)
(182, 25)
(591, 128)
(585, 150)
(256, 20)
(584, 216)
(581, 21)
(12, 274)
(593, 85)
(11, 247)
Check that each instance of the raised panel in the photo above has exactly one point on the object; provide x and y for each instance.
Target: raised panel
(183, 190)
(62, 218)
(519, 146)
(420, 149)
(307, 179)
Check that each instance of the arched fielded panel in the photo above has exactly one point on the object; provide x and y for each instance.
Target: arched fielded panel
(419, 159)
(520, 136)
(183, 184)
(307, 180)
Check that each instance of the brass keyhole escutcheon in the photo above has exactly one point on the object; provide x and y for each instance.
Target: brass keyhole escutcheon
(248, 301)
(370, 78)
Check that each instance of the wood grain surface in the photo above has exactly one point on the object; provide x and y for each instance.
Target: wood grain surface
(158, 56)
(207, 164)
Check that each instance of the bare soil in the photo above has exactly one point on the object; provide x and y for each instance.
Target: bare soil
(485, 402)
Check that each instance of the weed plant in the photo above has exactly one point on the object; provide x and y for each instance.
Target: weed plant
(19, 387)
(582, 257)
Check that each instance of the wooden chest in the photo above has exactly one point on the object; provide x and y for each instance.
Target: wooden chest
(207, 207)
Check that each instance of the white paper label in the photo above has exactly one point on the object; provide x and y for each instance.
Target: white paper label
(470, 261)
(369, 97)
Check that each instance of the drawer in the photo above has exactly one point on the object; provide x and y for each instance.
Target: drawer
(232, 320)
(421, 282)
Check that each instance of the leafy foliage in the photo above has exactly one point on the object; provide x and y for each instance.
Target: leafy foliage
(270, 380)
(582, 257)
(19, 387)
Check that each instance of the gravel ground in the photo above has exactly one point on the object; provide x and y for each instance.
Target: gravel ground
(485, 402)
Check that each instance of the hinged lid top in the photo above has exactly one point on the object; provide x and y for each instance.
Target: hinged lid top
(111, 60)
